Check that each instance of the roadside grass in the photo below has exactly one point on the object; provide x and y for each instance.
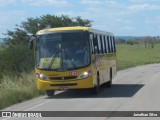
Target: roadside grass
(134, 55)
(15, 89)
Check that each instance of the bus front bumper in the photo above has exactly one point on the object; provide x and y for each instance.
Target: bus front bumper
(67, 84)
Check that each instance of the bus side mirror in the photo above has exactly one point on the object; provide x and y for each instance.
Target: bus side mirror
(31, 42)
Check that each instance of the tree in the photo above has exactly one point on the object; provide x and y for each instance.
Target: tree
(131, 42)
(149, 40)
(21, 34)
(16, 37)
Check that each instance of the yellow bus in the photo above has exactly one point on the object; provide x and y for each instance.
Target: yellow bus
(74, 58)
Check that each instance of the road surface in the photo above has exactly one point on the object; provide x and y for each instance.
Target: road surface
(134, 89)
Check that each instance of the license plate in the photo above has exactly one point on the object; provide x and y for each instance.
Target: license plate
(63, 88)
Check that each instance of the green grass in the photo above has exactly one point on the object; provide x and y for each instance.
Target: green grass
(17, 89)
(134, 55)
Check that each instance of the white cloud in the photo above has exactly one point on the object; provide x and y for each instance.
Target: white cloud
(109, 11)
(101, 3)
(55, 3)
(144, 7)
(118, 17)
(153, 20)
(91, 2)
(6, 2)
(9, 20)
(144, 0)
(69, 13)
(102, 8)
(121, 18)
(10, 16)
(108, 15)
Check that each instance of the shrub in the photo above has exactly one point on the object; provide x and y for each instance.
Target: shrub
(15, 60)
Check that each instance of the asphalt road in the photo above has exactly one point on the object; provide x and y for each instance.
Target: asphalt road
(134, 89)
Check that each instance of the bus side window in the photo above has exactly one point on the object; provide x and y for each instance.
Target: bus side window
(108, 44)
(103, 44)
(111, 44)
(95, 44)
(114, 44)
(105, 48)
(99, 45)
(92, 45)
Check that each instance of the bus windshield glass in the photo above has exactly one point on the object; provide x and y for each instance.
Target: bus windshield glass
(62, 51)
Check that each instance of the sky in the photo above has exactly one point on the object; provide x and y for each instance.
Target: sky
(121, 17)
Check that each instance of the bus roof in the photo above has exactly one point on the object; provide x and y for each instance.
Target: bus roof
(51, 30)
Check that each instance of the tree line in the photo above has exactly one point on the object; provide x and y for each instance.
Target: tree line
(21, 33)
(147, 41)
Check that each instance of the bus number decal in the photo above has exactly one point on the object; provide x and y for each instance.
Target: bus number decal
(73, 73)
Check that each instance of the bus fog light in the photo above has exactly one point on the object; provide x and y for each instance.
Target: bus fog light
(85, 74)
(41, 76)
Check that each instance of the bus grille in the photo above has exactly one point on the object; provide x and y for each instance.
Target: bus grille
(63, 78)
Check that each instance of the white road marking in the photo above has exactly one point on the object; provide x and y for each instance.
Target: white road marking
(38, 105)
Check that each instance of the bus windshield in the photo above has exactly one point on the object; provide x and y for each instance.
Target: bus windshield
(62, 51)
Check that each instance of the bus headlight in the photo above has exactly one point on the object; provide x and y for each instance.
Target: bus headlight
(85, 74)
(41, 76)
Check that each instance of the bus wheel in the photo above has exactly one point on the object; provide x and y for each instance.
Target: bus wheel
(96, 89)
(50, 93)
(109, 83)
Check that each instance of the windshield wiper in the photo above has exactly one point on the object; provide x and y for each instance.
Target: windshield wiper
(52, 60)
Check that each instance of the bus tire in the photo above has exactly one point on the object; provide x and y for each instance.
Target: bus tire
(96, 89)
(50, 93)
(109, 83)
